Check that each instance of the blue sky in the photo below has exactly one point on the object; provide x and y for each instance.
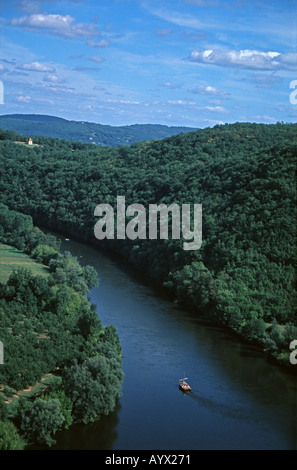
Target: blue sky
(193, 63)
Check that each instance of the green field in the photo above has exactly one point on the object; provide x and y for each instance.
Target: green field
(12, 259)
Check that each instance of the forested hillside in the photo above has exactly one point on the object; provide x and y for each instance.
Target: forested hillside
(33, 125)
(50, 331)
(244, 175)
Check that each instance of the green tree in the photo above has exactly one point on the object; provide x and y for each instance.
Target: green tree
(42, 420)
(111, 336)
(90, 276)
(94, 387)
(65, 402)
(44, 253)
(89, 324)
(9, 437)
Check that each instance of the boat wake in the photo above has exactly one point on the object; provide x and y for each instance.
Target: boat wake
(232, 412)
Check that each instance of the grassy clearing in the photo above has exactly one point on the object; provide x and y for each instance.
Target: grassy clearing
(11, 259)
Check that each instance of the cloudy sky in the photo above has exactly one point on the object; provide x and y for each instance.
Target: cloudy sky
(191, 63)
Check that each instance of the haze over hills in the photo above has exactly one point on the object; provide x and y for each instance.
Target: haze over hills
(87, 132)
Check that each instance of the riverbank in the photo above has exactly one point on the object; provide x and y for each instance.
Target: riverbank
(243, 275)
(238, 401)
(50, 330)
(205, 315)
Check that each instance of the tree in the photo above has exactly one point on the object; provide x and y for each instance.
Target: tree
(94, 387)
(89, 324)
(65, 402)
(111, 336)
(9, 437)
(42, 420)
(243, 174)
(44, 253)
(91, 276)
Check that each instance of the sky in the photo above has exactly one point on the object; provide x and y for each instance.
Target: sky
(193, 63)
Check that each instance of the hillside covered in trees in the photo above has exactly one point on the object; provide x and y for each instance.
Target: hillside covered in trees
(33, 125)
(50, 331)
(244, 175)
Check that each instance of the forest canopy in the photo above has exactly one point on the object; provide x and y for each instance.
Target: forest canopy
(49, 329)
(243, 174)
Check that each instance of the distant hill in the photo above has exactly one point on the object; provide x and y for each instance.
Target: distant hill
(50, 126)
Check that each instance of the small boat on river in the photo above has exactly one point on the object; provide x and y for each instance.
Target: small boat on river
(183, 385)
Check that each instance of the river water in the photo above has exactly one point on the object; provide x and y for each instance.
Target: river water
(238, 399)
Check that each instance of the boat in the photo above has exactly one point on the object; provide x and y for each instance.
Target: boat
(183, 385)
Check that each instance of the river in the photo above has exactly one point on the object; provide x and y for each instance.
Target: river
(238, 401)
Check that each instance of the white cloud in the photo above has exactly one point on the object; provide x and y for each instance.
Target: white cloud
(289, 59)
(62, 90)
(102, 43)
(170, 85)
(181, 102)
(59, 25)
(123, 102)
(52, 78)
(24, 99)
(33, 6)
(265, 118)
(217, 109)
(37, 67)
(208, 90)
(246, 58)
(96, 58)
(178, 18)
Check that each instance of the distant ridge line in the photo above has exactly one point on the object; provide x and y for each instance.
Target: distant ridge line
(33, 125)
(33, 117)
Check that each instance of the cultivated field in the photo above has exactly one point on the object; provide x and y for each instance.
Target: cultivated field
(12, 259)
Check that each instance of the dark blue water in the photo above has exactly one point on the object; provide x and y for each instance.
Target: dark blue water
(238, 399)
